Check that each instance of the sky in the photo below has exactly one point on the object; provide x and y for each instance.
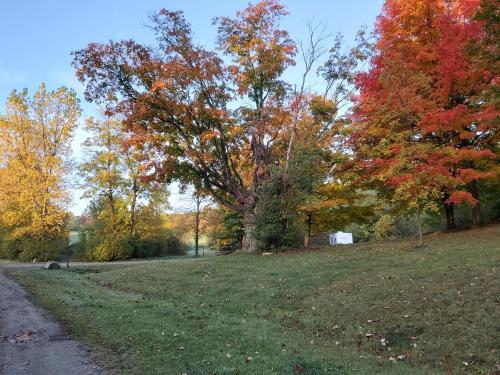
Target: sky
(38, 36)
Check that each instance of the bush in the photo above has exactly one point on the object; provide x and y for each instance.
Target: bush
(8, 249)
(222, 226)
(81, 247)
(27, 249)
(277, 225)
(384, 227)
(112, 248)
(173, 246)
(162, 246)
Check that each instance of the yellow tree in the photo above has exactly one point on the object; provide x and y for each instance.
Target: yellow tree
(35, 145)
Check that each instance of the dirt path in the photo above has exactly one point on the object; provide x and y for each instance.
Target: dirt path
(30, 343)
(135, 262)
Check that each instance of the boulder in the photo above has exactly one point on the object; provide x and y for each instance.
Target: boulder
(52, 266)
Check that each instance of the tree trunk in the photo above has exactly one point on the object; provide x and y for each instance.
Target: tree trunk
(307, 239)
(249, 199)
(477, 217)
(419, 225)
(197, 226)
(249, 243)
(449, 209)
(291, 144)
(196, 243)
(133, 204)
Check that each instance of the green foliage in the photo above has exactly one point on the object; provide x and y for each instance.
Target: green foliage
(27, 249)
(222, 226)
(277, 224)
(285, 196)
(233, 227)
(490, 198)
(335, 205)
(151, 238)
(388, 223)
(167, 244)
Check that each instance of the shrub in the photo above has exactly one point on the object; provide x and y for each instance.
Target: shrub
(27, 248)
(112, 247)
(277, 225)
(384, 227)
(168, 244)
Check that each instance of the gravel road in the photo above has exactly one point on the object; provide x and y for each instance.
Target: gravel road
(31, 343)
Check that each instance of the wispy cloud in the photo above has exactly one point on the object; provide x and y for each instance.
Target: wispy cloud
(6, 76)
(68, 79)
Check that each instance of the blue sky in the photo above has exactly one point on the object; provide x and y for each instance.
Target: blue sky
(37, 37)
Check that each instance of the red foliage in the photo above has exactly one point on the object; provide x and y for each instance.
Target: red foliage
(422, 105)
(398, 180)
(461, 196)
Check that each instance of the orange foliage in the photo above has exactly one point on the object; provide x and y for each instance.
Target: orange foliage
(422, 112)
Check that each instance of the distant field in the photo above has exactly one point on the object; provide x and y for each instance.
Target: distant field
(380, 308)
(73, 237)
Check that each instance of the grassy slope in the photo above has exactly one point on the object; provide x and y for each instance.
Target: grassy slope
(438, 306)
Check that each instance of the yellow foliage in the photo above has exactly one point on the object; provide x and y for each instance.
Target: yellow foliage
(35, 139)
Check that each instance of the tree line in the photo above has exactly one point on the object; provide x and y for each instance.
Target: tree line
(401, 134)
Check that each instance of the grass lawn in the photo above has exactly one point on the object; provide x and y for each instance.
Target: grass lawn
(380, 308)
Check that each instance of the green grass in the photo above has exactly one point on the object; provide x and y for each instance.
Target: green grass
(306, 313)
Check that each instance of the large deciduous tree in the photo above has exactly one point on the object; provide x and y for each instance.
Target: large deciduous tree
(179, 100)
(224, 125)
(423, 122)
(35, 145)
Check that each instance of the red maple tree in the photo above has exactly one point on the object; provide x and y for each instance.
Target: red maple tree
(422, 113)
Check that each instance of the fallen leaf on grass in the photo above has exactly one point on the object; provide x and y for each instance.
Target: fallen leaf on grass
(298, 369)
